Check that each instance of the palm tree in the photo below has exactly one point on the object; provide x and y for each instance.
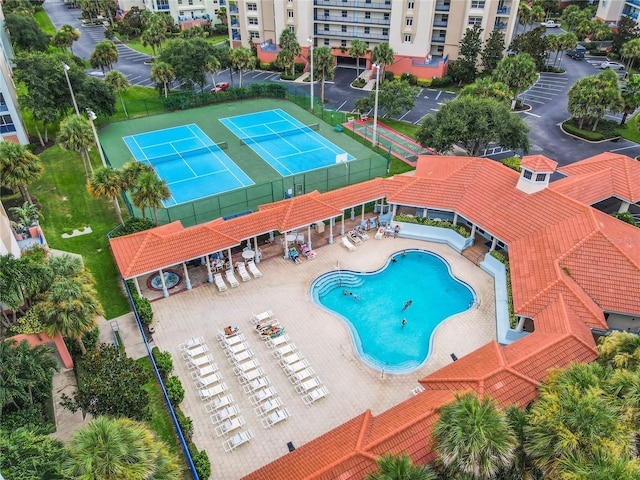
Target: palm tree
(71, 308)
(107, 182)
(117, 448)
(524, 15)
(65, 37)
(120, 83)
(10, 286)
(630, 96)
(213, 67)
(131, 171)
(104, 55)
(382, 55)
(400, 467)
(242, 59)
(290, 49)
(12, 388)
(162, 73)
(76, 134)
(357, 49)
(324, 67)
(149, 191)
(631, 51)
(36, 367)
(473, 437)
(155, 33)
(620, 350)
(18, 168)
(65, 265)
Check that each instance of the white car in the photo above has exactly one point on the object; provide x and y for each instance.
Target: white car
(551, 24)
(612, 65)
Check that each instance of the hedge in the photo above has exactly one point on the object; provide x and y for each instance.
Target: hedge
(433, 223)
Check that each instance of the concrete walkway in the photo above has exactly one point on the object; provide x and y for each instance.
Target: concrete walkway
(64, 382)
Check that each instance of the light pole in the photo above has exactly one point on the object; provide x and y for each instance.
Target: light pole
(92, 116)
(66, 68)
(375, 105)
(310, 40)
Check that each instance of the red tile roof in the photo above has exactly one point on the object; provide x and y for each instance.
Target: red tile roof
(538, 163)
(569, 263)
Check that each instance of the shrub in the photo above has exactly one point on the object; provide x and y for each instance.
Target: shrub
(513, 163)
(200, 462)
(90, 340)
(175, 390)
(31, 417)
(586, 134)
(408, 77)
(164, 362)
(441, 82)
(132, 225)
(625, 217)
(433, 223)
(424, 83)
(143, 306)
(185, 423)
(502, 258)
(388, 76)
(359, 82)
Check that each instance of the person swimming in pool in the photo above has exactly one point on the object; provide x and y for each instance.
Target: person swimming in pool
(404, 322)
(407, 305)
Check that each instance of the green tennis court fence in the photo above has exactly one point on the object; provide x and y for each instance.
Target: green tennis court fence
(282, 134)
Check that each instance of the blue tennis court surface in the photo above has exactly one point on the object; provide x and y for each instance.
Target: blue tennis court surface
(287, 144)
(189, 161)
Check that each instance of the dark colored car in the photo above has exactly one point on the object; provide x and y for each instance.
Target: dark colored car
(220, 87)
(576, 54)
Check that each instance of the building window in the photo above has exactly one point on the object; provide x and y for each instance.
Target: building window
(541, 177)
(253, 21)
(326, 27)
(440, 49)
(344, 14)
(292, 29)
(409, 21)
(326, 42)
(252, 7)
(326, 13)
(179, 2)
(254, 35)
(367, 15)
(290, 13)
(6, 124)
(344, 29)
(407, 38)
(410, 5)
(190, 2)
(367, 30)
(527, 174)
(386, 17)
(3, 103)
(343, 43)
(477, 4)
(385, 32)
(475, 21)
(181, 14)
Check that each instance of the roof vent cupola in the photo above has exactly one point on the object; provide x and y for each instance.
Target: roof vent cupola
(535, 172)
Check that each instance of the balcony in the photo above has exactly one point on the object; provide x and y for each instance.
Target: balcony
(499, 26)
(443, 7)
(364, 4)
(3, 107)
(233, 9)
(162, 7)
(352, 19)
(633, 2)
(440, 24)
(361, 35)
(437, 39)
(504, 11)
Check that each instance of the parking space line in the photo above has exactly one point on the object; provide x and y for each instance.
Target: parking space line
(438, 96)
(623, 148)
(342, 105)
(532, 114)
(407, 113)
(435, 109)
(420, 120)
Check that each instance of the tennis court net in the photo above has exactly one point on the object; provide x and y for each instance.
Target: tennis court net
(281, 134)
(172, 157)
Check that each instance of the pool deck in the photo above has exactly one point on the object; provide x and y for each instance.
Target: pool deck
(322, 338)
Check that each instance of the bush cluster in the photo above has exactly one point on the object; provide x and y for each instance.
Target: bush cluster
(359, 82)
(460, 230)
(185, 423)
(132, 225)
(175, 390)
(442, 82)
(586, 134)
(143, 306)
(409, 77)
(200, 461)
(502, 258)
(163, 361)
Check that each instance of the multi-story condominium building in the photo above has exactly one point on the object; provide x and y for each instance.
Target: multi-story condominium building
(611, 10)
(11, 124)
(420, 32)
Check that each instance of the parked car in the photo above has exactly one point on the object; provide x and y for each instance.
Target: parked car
(551, 24)
(220, 87)
(576, 54)
(612, 65)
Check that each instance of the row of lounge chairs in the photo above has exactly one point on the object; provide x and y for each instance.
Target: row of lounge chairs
(293, 363)
(231, 278)
(252, 377)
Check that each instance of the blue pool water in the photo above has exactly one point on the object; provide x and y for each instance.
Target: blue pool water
(374, 314)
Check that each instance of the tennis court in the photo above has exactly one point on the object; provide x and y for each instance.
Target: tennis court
(285, 143)
(192, 164)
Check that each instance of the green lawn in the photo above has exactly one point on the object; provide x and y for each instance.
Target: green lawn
(66, 205)
(630, 130)
(137, 45)
(45, 23)
(161, 423)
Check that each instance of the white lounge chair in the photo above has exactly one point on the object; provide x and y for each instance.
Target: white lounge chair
(286, 350)
(224, 414)
(206, 394)
(242, 271)
(237, 348)
(262, 395)
(205, 370)
(251, 375)
(275, 417)
(308, 385)
(220, 282)
(314, 395)
(238, 439)
(229, 426)
(379, 234)
(246, 367)
(295, 367)
(199, 362)
(218, 403)
(293, 358)
(353, 236)
(274, 342)
(190, 353)
(191, 343)
(268, 406)
(417, 390)
(253, 269)
(237, 358)
(204, 382)
(301, 376)
(256, 384)
(231, 341)
(348, 245)
(257, 318)
(231, 278)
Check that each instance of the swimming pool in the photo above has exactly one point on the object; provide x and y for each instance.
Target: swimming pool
(373, 306)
